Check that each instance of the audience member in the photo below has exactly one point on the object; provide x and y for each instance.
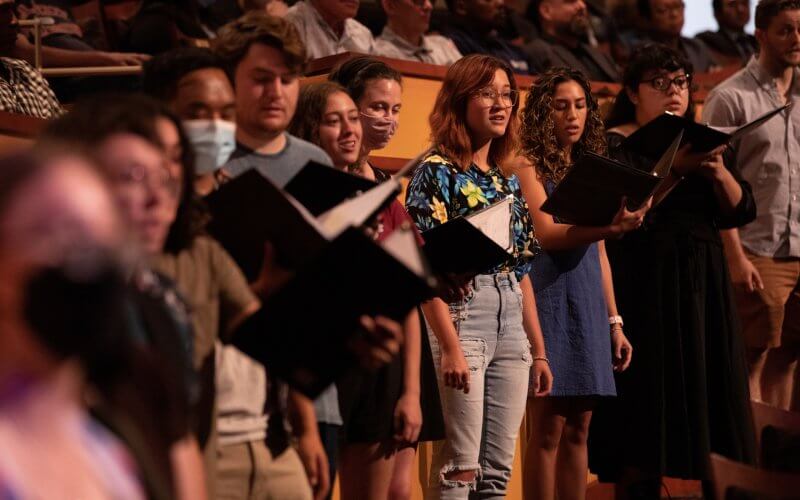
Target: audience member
(404, 36)
(472, 26)
(265, 58)
(56, 218)
(685, 395)
(730, 39)
(23, 90)
(664, 23)
(764, 256)
(328, 27)
(573, 285)
(484, 344)
(563, 29)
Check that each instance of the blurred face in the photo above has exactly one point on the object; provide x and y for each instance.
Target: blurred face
(651, 102)
(781, 40)
(666, 17)
(336, 11)
(734, 14)
(569, 113)
(340, 130)
(486, 12)
(266, 92)
(205, 94)
(489, 109)
(565, 15)
(144, 187)
(412, 15)
(9, 29)
(380, 105)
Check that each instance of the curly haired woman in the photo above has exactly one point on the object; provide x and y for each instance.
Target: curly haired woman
(573, 287)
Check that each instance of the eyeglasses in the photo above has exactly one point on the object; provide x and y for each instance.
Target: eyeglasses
(488, 97)
(161, 179)
(662, 83)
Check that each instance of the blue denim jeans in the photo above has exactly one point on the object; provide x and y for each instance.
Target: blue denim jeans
(482, 426)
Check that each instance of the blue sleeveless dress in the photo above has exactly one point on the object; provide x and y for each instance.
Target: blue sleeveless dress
(574, 318)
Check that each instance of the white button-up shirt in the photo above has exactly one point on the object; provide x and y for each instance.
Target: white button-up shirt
(319, 37)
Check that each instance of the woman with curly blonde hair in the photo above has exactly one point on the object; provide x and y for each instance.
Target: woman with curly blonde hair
(573, 287)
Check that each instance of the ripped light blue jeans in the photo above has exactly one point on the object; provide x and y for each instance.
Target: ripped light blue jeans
(482, 426)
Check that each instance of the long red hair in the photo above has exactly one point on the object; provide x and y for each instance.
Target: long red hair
(448, 120)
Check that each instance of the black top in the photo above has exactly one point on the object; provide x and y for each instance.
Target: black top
(742, 45)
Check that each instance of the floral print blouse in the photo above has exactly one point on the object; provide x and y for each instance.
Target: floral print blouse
(440, 191)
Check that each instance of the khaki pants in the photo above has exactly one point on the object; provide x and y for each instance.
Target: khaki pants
(771, 317)
(248, 471)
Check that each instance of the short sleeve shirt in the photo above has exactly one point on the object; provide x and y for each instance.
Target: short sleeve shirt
(319, 37)
(435, 49)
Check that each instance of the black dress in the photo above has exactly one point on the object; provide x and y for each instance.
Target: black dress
(685, 393)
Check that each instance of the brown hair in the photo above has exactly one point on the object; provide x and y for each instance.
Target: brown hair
(539, 143)
(767, 10)
(235, 39)
(310, 108)
(448, 120)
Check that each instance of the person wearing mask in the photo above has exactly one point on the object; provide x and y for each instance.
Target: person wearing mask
(663, 23)
(265, 58)
(404, 35)
(764, 256)
(328, 27)
(473, 26)
(564, 26)
(574, 288)
(57, 218)
(487, 345)
(686, 394)
(730, 40)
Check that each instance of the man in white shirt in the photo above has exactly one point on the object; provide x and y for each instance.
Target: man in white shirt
(404, 37)
(327, 27)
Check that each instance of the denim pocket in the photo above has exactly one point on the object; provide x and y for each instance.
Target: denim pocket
(459, 311)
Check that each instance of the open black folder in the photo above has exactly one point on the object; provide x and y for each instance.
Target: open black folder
(319, 187)
(303, 330)
(655, 137)
(471, 244)
(591, 192)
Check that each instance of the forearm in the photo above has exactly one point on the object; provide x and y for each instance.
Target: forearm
(727, 190)
(187, 467)
(412, 348)
(437, 312)
(607, 280)
(530, 318)
(565, 236)
(55, 57)
(732, 244)
(302, 416)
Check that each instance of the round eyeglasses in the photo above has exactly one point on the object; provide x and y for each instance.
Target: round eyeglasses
(489, 96)
(662, 83)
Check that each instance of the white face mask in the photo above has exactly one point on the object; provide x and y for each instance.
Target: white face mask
(213, 142)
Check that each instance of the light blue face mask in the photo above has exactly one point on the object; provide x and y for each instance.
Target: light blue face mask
(213, 142)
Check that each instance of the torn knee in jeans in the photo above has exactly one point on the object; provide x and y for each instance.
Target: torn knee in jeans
(459, 476)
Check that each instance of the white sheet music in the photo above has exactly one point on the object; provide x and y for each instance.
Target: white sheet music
(355, 211)
(495, 222)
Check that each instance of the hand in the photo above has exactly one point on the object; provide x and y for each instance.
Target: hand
(315, 461)
(625, 220)
(124, 58)
(622, 351)
(744, 274)
(541, 378)
(455, 287)
(687, 161)
(455, 370)
(407, 418)
(379, 344)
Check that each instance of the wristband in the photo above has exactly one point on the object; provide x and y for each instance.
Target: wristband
(541, 358)
(615, 320)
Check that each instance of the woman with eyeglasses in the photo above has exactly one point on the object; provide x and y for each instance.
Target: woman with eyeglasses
(573, 285)
(485, 344)
(686, 394)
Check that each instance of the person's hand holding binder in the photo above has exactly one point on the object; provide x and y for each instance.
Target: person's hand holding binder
(627, 220)
(688, 161)
(380, 342)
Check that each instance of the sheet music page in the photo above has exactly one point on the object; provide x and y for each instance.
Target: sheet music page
(303, 211)
(355, 211)
(495, 222)
(664, 164)
(402, 245)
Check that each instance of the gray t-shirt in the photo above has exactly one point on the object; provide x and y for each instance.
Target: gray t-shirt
(279, 167)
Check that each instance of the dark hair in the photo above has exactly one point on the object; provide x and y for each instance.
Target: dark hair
(310, 108)
(538, 137)
(235, 39)
(448, 120)
(767, 10)
(532, 13)
(92, 121)
(644, 8)
(716, 5)
(354, 74)
(162, 73)
(647, 57)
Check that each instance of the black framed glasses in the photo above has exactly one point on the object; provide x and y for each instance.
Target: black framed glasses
(489, 96)
(662, 83)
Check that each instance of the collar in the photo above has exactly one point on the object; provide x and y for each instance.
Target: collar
(404, 44)
(766, 81)
(309, 10)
